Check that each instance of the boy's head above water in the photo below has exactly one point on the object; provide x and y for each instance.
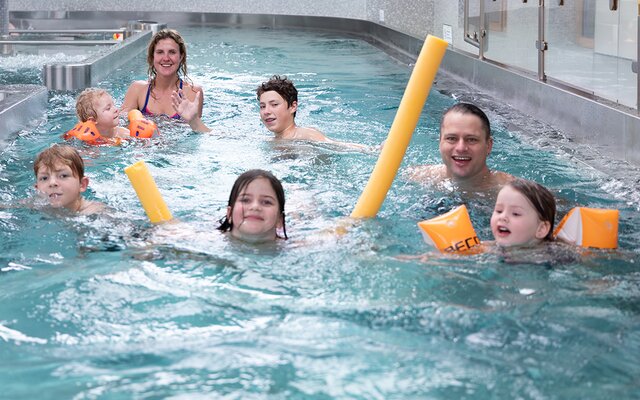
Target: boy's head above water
(59, 172)
(97, 105)
(524, 214)
(255, 210)
(278, 99)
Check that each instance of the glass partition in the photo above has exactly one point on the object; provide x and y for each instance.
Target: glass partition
(591, 47)
(512, 31)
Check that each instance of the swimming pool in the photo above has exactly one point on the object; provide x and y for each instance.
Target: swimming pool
(92, 308)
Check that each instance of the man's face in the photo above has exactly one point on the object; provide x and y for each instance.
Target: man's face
(464, 146)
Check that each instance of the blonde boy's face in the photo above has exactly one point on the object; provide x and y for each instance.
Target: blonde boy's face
(108, 115)
(60, 186)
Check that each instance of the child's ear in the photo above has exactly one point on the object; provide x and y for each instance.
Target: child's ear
(84, 183)
(543, 229)
(294, 106)
(229, 212)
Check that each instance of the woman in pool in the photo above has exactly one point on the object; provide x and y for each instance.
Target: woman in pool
(523, 215)
(255, 212)
(167, 67)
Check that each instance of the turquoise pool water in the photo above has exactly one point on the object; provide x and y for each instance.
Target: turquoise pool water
(111, 307)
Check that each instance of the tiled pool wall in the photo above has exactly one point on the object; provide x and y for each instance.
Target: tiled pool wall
(404, 24)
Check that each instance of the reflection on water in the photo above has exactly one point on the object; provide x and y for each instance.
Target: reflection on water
(115, 307)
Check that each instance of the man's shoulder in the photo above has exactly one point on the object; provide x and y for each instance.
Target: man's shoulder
(501, 178)
(420, 173)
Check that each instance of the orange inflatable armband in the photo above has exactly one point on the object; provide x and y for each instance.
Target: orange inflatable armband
(88, 132)
(451, 232)
(139, 127)
(134, 115)
(589, 227)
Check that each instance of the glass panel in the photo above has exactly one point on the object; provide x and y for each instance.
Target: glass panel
(512, 31)
(472, 29)
(592, 47)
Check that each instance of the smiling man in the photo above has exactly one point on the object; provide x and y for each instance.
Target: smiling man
(465, 144)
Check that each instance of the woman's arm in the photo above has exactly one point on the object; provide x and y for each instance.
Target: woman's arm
(132, 97)
(189, 110)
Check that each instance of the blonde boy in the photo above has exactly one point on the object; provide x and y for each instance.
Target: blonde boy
(60, 179)
(97, 105)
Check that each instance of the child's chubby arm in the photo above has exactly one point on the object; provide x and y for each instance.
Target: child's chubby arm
(189, 110)
(122, 132)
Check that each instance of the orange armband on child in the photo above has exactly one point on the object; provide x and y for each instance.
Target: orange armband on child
(139, 127)
(451, 232)
(589, 227)
(88, 132)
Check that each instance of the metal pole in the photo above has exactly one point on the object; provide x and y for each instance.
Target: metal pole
(541, 44)
(4, 27)
(482, 32)
(4, 17)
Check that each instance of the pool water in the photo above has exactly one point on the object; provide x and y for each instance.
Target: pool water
(111, 307)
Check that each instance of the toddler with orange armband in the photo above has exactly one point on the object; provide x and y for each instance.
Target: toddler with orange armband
(524, 216)
(100, 120)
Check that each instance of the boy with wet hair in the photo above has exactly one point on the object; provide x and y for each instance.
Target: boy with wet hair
(97, 105)
(60, 179)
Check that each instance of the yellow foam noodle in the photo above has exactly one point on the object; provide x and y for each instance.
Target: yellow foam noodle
(148, 192)
(402, 128)
(589, 227)
(451, 232)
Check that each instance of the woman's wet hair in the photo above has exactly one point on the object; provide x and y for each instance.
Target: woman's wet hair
(540, 198)
(241, 183)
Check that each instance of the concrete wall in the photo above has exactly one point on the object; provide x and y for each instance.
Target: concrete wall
(413, 17)
(330, 8)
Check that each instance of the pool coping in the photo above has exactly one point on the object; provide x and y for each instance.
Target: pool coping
(21, 106)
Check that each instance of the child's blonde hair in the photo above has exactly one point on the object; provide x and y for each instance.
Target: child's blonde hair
(60, 154)
(85, 103)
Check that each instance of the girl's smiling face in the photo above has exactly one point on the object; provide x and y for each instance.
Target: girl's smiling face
(515, 221)
(255, 214)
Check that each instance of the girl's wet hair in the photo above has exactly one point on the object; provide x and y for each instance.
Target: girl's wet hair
(540, 198)
(241, 183)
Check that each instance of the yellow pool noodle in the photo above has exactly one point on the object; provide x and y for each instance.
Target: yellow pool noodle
(148, 192)
(404, 124)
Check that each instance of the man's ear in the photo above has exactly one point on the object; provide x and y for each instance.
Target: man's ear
(294, 106)
(489, 145)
